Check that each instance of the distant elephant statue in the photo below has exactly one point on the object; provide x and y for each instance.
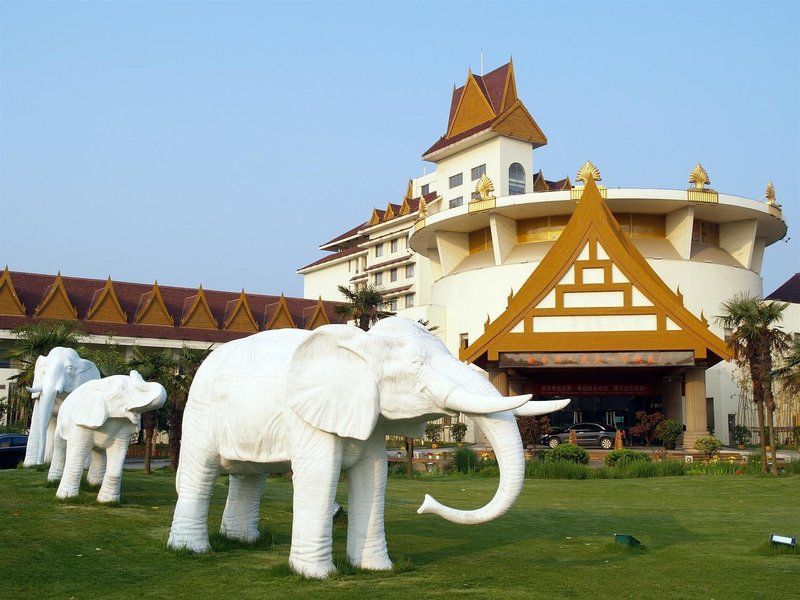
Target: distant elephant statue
(54, 376)
(100, 416)
(319, 402)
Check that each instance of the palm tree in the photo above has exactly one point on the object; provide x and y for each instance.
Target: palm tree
(363, 305)
(754, 338)
(152, 366)
(186, 365)
(789, 373)
(32, 341)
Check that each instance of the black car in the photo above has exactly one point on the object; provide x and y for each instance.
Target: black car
(12, 449)
(586, 434)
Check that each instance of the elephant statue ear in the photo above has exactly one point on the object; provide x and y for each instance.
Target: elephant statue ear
(331, 386)
(90, 409)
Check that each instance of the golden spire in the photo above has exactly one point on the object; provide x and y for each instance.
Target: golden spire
(485, 187)
(588, 171)
(699, 177)
(423, 208)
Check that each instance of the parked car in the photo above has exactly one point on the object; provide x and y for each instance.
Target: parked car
(586, 434)
(12, 449)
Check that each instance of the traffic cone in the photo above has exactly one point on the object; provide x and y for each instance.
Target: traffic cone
(573, 437)
(619, 441)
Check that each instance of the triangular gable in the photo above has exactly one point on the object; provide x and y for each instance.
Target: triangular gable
(473, 108)
(518, 123)
(539, 183)
(320, 316)
(56, 303)
(239, 317)
(389, 212)
(10, 304)
(106, 308)
(376, 217)
(594, 291)
(199, 314)
(152, 310)
(510, 88)
(281, 317)
(410, 191)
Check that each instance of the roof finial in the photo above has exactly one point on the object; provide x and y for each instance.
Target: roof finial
(588, 171)
(769, 194)
(699, 177)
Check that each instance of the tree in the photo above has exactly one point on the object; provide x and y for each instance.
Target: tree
(789, 373)
(186, 365)
(755, 336)
(648, 426)
(363, 305)
(32, 341)
(531, 429)
(152, 366)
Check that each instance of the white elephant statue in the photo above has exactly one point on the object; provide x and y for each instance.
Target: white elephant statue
(100, 416)
(320, 402)
(54, 376)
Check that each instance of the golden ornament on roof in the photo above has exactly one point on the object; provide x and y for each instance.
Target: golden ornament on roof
(423, 208)
(699, 177)
(485, 187)
(588, 171)
(770, 194)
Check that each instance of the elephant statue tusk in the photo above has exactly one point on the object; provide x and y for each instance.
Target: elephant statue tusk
(541, 407)
(480, 404)
(34, 390)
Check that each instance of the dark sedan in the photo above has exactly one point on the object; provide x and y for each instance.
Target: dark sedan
(586, 434)
(12, 449)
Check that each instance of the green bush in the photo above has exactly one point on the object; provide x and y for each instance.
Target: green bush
(623, 456)
(792, 467)
(567, 453)
(708, 445)
(490, 469)
(465, 460)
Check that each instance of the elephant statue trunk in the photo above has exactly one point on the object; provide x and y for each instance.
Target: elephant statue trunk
(503, 435)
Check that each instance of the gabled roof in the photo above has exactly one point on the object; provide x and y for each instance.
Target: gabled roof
(319, 317)
(594, 291)
(149, 310)
(9, 301)
(56, 303)
(281, 316)
(489, 102)
(789, 291)
(106, 307)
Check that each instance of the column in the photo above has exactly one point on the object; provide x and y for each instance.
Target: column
(695, 413)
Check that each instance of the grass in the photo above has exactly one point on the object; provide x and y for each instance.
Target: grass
(704, 537)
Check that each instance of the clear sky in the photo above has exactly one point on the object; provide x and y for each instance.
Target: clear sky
(219, 143)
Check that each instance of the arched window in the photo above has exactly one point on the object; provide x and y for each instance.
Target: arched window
(516, 179)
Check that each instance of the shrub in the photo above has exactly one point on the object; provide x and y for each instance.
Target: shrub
(567, 453)
(433, 431)
(792, 467)
(742, 434)
(647, 427)
(465, 460)
(708, 445)
(669, 430)
(459, 431)
(624, 456)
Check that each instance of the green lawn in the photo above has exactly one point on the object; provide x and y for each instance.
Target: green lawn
(705, 537)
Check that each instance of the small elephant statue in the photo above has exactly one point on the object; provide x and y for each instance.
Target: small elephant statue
(54, 376)
(100, 416)
(321, 402)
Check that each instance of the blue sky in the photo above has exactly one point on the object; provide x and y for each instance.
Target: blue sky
(220, 143)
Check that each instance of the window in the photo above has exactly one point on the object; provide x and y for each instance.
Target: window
(425, 190)
(409, 300)
(393, 274)
(409, 271)
(456, 202)
(478, 171)
(395, 244)
(378, 250)
(378, 278)
(456, 180)
(516, 179)
(393, 305)
(463, 340)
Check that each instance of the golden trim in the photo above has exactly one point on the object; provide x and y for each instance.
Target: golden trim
(702, 195)
(282, 317)
(199, 315)
(476, 206)
(241, 317)
(588, 172)
(484, 188)
(320, 316)
(576, 192)
(154, 299)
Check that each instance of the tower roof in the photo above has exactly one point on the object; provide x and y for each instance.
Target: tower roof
(488, 103)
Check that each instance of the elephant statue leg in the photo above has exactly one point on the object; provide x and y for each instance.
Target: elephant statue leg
(195, 481)
(77, 450)
(240, 518)
(59, 456)
(315, 474)
(366, 483)
(97, 467)
(112, 481)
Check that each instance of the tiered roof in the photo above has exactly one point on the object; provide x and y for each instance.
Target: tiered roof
(152, 311)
